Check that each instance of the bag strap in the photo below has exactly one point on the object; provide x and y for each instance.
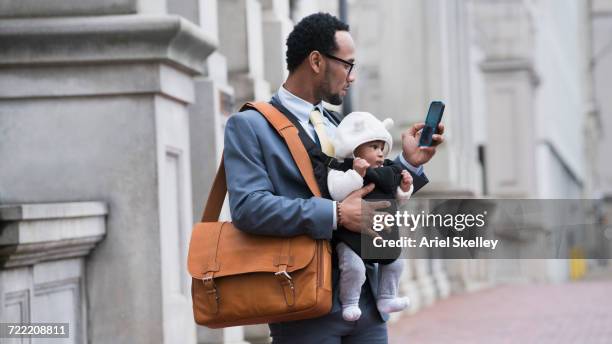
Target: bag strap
(289, 133)
(212, 210)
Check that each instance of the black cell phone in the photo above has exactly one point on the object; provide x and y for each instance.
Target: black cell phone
(434, 116)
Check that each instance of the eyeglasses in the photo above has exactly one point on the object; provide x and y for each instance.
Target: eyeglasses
(350, 65)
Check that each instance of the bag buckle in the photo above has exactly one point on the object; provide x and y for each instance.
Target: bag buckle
(211, 291)
(209, 284)
(284, 274)
(287, 285)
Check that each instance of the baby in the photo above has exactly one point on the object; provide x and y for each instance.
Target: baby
(363, 137)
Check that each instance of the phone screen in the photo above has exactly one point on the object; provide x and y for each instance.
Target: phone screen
(434, 116)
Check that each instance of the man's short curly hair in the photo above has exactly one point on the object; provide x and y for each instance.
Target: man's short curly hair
(314, 32)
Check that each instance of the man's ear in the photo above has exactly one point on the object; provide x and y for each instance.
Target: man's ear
(315, 61)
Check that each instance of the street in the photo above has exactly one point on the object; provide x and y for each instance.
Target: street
(579, 312)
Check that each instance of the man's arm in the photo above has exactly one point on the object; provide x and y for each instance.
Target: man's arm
(413, 157)
(255, 206)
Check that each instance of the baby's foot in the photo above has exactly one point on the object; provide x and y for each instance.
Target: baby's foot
(351, 313)
(392, 305)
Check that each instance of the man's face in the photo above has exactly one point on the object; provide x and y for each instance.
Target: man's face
(336, 78)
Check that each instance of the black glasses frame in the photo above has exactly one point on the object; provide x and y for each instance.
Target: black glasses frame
(352, 64)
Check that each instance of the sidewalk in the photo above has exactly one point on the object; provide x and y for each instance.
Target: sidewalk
(579, 312)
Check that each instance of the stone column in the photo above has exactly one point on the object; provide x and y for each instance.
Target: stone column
(454, 273)
(257, 334)
(95, 107)
(42, 263)
(445, 64)
(607, 231)
(214, 102)
(241, 42)
(478, 274)
(410, 288)
(303, 8)
(425, 281)
(439, 272)
(276, 28)
(510, 80)
(510, 155)
(598, 138)
(504, 36)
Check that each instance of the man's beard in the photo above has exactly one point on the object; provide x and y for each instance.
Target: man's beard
(334, 99)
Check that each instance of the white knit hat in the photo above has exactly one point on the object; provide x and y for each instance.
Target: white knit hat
(358, 128)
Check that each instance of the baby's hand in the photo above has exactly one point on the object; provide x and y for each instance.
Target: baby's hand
(360, 165)
(406, 181)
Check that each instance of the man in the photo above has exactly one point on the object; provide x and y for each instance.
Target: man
(267, 193)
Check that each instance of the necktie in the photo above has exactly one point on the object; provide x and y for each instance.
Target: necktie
(319, 126)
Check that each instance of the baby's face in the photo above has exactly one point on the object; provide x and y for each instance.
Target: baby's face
(372, 152)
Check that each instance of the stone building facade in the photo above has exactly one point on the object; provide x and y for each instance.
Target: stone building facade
(112, 115)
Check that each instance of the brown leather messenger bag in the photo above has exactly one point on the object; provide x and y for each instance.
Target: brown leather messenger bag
(240, 278)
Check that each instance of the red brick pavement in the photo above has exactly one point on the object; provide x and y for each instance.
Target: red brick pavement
(578, 312)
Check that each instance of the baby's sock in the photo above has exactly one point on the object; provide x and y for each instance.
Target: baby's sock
(391, 305)
(352, 277)
(351, 312)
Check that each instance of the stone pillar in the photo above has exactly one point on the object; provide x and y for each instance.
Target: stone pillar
(214, 102)
(276, 28)
(303, 8)
(425, 281)
(438, 270)
(418, 282)
(230, 335)
(510, 80)
(599, 138)
(97, 109)
(454, 273)
(241, 42)
(257, 334)
(477, 273)
(607, 231)
(410, 288)
(510, 155)
(42, 263)
(445, 64)
(504, 35)
(213, 105)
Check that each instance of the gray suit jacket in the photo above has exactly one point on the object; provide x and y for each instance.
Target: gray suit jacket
(267, 194)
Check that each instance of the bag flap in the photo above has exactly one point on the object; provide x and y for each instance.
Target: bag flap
(238, 252)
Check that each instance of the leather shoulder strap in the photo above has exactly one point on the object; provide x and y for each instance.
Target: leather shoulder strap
(289, 133)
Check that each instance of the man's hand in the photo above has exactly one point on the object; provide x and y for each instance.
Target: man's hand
(360, 166)
(355, 212)
(411, 151)
(406, 181)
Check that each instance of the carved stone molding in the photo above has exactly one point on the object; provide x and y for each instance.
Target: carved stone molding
(33, 233)
(120, 39)
(503, 29)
